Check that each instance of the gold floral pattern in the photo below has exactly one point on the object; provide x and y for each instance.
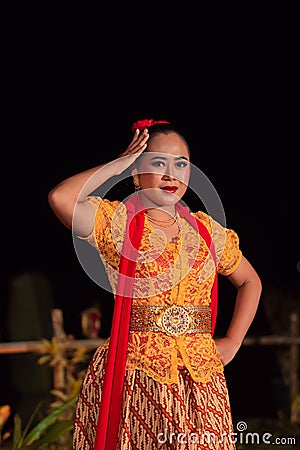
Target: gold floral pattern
(179, 273)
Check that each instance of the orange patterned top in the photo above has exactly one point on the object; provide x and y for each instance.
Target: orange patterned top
(178, 273)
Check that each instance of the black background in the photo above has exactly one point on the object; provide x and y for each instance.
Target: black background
(72, 90)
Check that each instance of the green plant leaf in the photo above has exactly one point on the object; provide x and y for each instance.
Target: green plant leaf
(17, 431)
(60, 428)
(45, 423)
(29, 423)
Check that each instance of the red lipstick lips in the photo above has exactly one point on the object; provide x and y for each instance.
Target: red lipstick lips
(170, 189)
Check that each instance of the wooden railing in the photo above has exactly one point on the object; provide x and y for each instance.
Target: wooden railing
(292, 340)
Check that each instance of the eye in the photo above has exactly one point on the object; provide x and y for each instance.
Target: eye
(181, 164)
(158, 164)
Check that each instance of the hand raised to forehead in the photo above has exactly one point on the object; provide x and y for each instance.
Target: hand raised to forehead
(136, 147)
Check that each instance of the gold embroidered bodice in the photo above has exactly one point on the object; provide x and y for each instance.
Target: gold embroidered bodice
(180, 272)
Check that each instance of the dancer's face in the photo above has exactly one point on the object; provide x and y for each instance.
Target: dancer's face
(164, 169)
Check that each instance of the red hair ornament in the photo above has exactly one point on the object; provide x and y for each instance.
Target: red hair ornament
(142, 124)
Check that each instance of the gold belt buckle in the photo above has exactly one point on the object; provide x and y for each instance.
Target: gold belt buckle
(175, 320)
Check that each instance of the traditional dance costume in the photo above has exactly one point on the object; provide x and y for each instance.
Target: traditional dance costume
(167, 389)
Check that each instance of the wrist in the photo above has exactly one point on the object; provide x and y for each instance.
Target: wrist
(235, 342)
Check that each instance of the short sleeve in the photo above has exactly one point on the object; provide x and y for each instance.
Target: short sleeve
(226, 242)
(232, 255)
(94, 201)
(104, 212)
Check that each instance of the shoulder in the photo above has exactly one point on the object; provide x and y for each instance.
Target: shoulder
(105, 206)
(226, 242)
(213, 225)
(204, 218)
(110, 217)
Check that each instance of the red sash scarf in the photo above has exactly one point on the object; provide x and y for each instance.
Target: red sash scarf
(111, 400)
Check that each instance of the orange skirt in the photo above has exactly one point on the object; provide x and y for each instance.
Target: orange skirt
(183, 416)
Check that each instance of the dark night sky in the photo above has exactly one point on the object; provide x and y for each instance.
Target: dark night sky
(247, 150)
(67, 109)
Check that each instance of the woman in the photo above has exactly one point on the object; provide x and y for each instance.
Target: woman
(158, 382)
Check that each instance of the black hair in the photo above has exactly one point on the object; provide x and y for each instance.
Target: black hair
(163, 128)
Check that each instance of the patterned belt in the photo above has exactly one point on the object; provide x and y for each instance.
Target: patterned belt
(174, 320)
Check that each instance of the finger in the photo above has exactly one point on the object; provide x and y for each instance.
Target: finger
(138, 143)
(134, 154)
(135, 136)
(141, 142)
(135, 140)
(138, 146)
(140, 136)
(143, 148)
(138, 151)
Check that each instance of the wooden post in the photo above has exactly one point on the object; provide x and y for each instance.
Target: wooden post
(294, 357)
(59, 370)
(59, 333)
(58, 323)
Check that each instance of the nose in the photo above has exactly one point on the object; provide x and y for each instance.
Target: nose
(169, 173)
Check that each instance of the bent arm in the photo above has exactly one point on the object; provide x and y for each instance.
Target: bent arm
(249, 288)
(68, 199)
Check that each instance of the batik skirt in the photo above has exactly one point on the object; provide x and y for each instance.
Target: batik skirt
(178, 416)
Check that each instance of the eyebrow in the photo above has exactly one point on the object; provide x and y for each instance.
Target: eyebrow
(163, 157)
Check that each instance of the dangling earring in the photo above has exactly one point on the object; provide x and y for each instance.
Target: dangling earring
(137, 186)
